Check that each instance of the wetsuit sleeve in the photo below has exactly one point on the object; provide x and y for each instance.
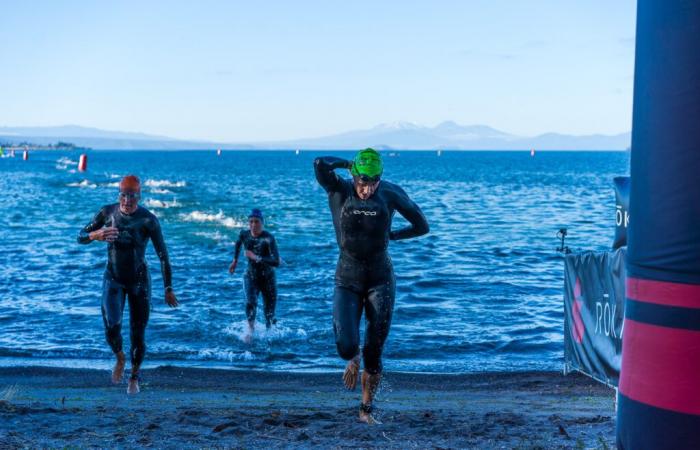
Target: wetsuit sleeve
(274, 258)
(411, 212)
(97, 222)
(162, 252)
(325, 166)
(237, 249)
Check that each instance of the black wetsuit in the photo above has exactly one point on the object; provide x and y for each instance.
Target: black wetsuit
(126, 275)
(364, 277)
(260, 275)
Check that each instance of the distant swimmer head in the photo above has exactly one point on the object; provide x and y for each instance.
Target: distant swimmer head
(367, 169)
(255, 221)
(129, 194)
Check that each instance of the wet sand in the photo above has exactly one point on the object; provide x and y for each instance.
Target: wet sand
(194, 408)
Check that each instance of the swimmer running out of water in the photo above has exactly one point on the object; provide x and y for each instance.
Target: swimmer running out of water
(259, 278)
(362, 211)
(127, 228)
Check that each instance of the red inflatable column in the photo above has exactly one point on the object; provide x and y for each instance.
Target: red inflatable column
(659, 390)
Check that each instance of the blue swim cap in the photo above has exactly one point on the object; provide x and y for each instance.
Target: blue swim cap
(255, 212)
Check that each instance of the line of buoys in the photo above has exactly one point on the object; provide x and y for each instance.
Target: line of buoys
(82, 163)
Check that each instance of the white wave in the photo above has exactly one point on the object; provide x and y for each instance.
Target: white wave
(154, 203)
(222, 355)
(275, 333)
(66, 161)
(112, 175)
(165, 183)
(83, 184)
(59, 166)
(115, 184)
(220, 218)
(216, 236)
(160, 191)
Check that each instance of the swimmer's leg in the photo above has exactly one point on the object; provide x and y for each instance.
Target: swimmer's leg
(251, 305)
(113, 296)
(379, 309)
(347, 311)
(268, 289)
(139, 311)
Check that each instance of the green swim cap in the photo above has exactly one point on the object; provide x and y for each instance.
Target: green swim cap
(367, 163)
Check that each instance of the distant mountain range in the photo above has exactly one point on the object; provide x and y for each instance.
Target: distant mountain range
(398, 135)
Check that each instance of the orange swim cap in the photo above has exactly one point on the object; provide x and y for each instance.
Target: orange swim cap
(130, 183)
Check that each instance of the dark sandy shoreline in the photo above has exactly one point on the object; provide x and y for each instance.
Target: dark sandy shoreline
(194, 408)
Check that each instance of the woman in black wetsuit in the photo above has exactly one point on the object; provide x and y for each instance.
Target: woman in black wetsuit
(261, 251)
(362, 210)
(127, 228)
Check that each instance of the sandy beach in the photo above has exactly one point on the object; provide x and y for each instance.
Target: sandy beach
(194, 408)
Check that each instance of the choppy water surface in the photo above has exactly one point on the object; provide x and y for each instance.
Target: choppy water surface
(483, 291)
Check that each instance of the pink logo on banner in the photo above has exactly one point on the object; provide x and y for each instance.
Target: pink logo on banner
(578, 329)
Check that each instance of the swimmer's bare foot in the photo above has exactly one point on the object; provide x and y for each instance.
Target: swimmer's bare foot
(352, 373)
(248, 338)
(370, 383)
(366, 415)
(118, 370)
(133, 386)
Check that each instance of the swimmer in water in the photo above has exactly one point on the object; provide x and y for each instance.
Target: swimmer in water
(362, 210)
(127, 227)
(259, 278)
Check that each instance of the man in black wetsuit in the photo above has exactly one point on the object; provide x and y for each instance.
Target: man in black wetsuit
(127, 227)
(261, 251)
(362, 210)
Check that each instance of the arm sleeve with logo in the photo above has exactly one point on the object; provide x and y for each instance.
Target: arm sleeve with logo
(411, 212)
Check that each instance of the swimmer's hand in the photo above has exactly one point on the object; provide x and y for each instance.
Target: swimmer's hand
(233, 265)
(107, 234)
(252, 256)
(170, 298)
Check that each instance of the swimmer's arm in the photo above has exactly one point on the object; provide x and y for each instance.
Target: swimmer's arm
(84, 236)
(274, 258)
(324, 167)
(411, 212)
(162, 252)
(237, 249)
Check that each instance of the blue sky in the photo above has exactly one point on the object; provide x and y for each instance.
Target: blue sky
(239, 71)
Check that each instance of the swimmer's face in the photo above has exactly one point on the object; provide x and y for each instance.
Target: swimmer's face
(129, 194)
(255, 225)
(129, 200)
(365, 189)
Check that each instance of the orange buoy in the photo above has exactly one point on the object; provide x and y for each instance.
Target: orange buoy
(82, 163)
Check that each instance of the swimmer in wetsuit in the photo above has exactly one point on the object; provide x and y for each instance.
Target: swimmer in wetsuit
(362, 210)
(261, 251)
(126, 228)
